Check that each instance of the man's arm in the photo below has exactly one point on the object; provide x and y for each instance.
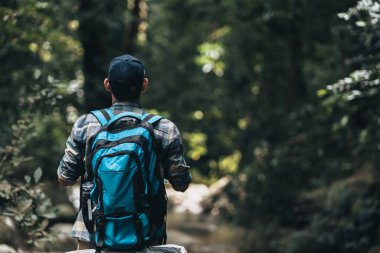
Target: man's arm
(64, 182)
(71, 165)
(172, 159)
(179, 177)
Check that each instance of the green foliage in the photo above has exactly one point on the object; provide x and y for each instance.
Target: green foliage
(41, 58)
(363, 82)
(257, 92)
(39, 55)
(23, 200)
(245, 81)
(38, 52)
(186, 66)
(315, 188)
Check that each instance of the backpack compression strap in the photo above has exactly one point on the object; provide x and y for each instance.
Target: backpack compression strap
(151, 118)
(103, 115)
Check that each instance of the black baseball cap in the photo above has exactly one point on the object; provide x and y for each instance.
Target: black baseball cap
(127, 73)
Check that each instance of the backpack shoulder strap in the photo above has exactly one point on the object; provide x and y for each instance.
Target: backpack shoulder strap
(103, 115)
(151, 118)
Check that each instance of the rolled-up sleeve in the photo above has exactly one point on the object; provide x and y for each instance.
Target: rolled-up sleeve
(172, 159)
(72, 165)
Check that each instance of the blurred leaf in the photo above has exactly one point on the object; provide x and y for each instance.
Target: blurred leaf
(5, 189)
(27, 179)
(37, 175)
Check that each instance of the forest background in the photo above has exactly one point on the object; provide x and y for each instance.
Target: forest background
(279, 96)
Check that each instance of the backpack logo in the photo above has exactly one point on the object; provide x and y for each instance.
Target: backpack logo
(123, 197)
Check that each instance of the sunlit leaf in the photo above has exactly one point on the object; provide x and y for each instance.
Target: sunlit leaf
(37, 175)
(27, 179)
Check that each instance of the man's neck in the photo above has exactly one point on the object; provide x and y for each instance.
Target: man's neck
(135, 101)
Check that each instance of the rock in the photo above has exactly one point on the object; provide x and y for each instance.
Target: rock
(73, 194)
(9, 235)
(59, 239)
(190, 200)
(66, 211)
(7, 249)
(196, 197)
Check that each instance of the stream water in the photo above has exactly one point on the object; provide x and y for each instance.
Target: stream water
(189, 227)
(201, 234)
(186, 225)
(196, 232)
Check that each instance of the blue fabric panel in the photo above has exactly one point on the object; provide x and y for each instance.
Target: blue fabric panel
(120, 232)
(102, 120)
(117, 174)
(125, 146)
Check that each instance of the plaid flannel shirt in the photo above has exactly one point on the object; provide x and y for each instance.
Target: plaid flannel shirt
(166, 133)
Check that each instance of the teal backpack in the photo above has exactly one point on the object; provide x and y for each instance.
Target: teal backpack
(123, 197)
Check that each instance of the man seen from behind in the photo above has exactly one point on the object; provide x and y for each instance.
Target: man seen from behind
(126, 81)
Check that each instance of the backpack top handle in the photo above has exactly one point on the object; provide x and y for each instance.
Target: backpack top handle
(123, 115)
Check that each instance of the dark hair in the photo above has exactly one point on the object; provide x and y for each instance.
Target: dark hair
(124, 91)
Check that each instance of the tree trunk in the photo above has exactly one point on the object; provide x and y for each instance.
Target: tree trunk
(296, 83)
(102, 31)
(131, 33)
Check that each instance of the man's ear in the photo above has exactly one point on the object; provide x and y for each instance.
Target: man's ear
(145, 85)
(107, 84)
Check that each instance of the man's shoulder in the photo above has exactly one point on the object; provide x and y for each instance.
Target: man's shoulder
(165, 121)
(166, 131)
(85, 119)
(84, 126)
(89, 118)
(165, 125)
(163, 128)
